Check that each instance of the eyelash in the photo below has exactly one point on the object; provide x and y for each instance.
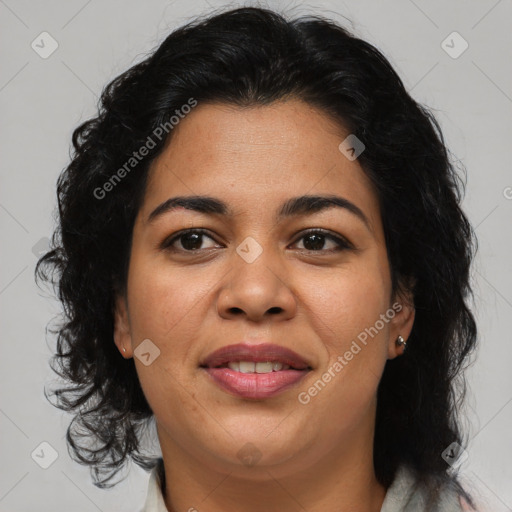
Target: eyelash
(342, 243)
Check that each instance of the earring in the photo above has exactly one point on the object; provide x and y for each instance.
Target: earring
(400, 341)
(124, 350)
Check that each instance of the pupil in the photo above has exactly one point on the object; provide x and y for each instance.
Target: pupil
(318, 242)
(191, 241)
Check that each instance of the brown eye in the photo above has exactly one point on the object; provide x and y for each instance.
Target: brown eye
(190, 240)
(315, 240)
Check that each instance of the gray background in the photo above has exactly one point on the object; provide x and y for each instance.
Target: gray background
(42, 100)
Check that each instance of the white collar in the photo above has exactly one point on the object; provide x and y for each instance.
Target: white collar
(154, 499)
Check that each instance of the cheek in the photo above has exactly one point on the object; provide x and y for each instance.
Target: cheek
(344, 313)
(164, 307)
(164, 299)
(345, 302)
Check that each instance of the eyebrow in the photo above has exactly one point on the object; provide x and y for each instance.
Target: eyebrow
(296, 206)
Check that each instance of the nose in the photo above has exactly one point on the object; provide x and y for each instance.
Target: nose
(257, 290)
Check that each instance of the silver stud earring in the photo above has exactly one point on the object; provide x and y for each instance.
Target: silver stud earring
(124, 350)
(400, 341)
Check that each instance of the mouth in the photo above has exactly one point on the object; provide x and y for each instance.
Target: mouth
(261, 358)
(256, 366)
(255, 371)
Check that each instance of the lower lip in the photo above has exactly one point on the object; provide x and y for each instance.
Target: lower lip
(255, 385)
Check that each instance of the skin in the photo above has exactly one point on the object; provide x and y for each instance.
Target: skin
(314, 457)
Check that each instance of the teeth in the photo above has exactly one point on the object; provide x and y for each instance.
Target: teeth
(260, 367)
(247, 367)
(264, 367)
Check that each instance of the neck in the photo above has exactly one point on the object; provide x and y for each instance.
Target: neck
(341, 480)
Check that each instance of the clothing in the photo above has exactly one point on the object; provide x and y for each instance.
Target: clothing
(154, 499)
(399, 497)
(402, 498)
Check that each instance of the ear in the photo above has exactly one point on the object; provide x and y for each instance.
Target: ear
(401, 324)
(122, 331)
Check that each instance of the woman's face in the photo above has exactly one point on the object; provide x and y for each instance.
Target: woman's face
(256, 277)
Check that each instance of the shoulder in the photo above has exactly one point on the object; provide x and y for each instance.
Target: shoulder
(405, 495)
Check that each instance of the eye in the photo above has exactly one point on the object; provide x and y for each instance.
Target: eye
(315, 239)
(190, 240)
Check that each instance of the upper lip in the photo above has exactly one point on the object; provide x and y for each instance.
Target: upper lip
(256, 353)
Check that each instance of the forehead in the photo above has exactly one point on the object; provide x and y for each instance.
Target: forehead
(255, 157)
(289, 130)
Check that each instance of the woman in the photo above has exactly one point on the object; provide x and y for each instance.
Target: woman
(260, 221)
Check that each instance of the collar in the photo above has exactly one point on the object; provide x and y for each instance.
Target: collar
(154, 499)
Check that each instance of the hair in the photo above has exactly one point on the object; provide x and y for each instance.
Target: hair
(251, 57)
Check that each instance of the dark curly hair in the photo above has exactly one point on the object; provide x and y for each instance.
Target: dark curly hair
(246, 57)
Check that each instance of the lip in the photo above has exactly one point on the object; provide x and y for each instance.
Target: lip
(256, 353)
(255, 385)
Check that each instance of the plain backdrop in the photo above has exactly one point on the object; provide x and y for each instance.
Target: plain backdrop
(43, 99)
